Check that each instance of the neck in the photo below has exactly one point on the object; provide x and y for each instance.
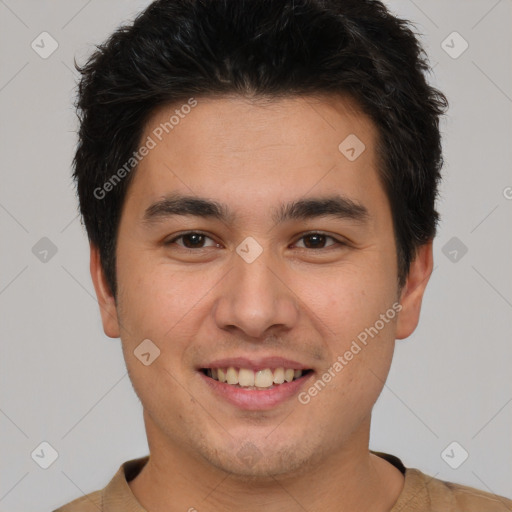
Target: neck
(350, 478)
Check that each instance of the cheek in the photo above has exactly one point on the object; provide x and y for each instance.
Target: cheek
(349, 298)
(156, 303)
(154, 296)
(350, 304)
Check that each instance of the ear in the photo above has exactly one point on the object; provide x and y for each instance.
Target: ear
(413, 290)
(105, 298)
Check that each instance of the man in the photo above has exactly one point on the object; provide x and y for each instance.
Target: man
(258, 180)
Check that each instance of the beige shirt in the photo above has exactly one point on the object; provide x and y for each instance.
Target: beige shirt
(421, 493)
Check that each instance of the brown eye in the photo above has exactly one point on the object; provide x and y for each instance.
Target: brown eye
(317, 241)
(192, 240)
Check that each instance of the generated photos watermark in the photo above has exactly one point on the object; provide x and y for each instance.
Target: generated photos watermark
(158, 133)
(341, 361)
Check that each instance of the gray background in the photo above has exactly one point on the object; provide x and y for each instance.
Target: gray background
(64, 382)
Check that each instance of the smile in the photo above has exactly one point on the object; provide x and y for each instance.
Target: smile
(266, 378)
(259, 389)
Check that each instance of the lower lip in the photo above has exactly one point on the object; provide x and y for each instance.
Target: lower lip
(254, 399)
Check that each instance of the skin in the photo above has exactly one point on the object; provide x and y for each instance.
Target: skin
(303, 303)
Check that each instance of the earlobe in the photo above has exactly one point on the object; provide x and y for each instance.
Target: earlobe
(106, 300)
(413, 291)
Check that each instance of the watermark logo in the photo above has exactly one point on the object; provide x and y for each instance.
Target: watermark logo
(454, 249)
(352, 147)
(454, 455)
(249, 454)
(44, 250)
(454, 45)
(146, 352)
(44, 455)
(249, 249)
(44, 45)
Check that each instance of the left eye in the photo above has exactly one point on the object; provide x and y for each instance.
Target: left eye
(317, 239)
(195, 240)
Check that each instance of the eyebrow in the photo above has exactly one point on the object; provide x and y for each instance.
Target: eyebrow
(336, 206)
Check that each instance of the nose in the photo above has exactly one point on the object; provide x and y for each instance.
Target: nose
(255, 297)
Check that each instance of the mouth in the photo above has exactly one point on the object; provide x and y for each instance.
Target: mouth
(255, 383)
(249, 379)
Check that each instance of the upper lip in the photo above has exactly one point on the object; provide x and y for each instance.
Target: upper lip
(256, 363)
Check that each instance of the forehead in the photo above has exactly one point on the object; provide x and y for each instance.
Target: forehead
(250, 152)
(238, 125)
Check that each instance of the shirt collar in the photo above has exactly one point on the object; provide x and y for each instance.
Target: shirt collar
(117, 496)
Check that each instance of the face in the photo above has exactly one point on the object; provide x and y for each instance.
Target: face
(281, 264)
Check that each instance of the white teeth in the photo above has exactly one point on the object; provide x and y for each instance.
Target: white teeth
(279, 375)
(264, 378)
(232, 376)
(288, 374)
(248, 378)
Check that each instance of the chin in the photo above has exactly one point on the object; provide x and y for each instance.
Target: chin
(264, 470)
(263, 459)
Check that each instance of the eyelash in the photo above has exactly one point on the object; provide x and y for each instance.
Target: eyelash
(310, 233)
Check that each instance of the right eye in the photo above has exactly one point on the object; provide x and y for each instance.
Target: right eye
(192, 240)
